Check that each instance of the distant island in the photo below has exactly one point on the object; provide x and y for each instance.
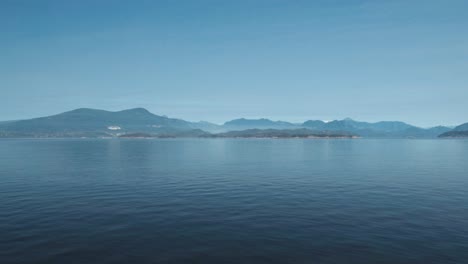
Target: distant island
(250, 133)
(140, 123)
(283, 133)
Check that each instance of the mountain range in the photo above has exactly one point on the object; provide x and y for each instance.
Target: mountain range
(85, 122)
(459, 131)
(382, 129)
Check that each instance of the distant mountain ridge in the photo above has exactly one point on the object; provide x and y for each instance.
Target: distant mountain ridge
(380, 129)
(263, 123)
(462, 127)
(92, 121)
(86, 122)
(457, 132)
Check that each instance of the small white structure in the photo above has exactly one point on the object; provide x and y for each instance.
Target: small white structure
(114, 128)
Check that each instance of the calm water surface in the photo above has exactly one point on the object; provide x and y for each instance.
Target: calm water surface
(233, 201)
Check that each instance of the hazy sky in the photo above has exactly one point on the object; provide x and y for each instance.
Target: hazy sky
(217, 60)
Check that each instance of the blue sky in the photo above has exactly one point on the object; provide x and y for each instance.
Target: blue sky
(219, 60)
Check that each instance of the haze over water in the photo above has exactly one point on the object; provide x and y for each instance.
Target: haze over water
(233, 201)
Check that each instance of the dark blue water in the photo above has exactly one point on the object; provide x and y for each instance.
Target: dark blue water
(233, 201)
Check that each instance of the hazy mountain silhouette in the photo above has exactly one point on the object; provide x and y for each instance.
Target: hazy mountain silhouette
(459, 131)
(378, 129)
(100, 122)
(263, 123)
(85, 122)
(462, 127)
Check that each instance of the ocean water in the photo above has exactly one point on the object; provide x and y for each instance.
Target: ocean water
(233, 201)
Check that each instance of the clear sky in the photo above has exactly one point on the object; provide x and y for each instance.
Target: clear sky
(218, 60)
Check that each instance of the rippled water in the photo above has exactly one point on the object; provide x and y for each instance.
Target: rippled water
(233, 201)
